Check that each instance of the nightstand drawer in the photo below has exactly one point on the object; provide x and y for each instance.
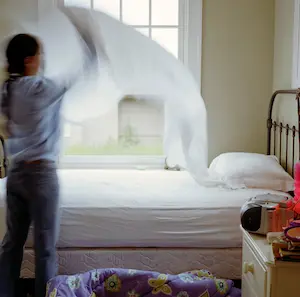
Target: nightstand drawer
(254, 272)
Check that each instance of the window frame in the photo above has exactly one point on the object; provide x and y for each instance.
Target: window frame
(190, 38)
(296, 46)
(189, 52)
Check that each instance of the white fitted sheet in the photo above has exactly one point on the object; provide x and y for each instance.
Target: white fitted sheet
(110, 208)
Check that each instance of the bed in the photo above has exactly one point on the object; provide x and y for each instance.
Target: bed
(147, 220)
(153, 220)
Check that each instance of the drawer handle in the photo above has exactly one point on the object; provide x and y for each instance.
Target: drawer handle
(248, 267)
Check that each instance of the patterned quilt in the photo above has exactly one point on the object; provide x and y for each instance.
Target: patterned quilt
(135, 283)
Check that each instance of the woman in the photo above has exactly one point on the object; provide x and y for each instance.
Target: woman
(31, 104)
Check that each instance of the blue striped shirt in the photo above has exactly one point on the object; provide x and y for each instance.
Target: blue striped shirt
(34, 120)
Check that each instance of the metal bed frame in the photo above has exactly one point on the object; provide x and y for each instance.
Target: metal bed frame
(277, 131)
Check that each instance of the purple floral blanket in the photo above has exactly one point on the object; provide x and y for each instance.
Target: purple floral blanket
(135, 283)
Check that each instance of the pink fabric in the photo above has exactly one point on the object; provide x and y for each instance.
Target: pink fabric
(297, 188)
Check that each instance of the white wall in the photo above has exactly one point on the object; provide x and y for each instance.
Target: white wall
(237, 70)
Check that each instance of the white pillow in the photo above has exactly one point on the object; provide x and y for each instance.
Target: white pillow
(247, 170)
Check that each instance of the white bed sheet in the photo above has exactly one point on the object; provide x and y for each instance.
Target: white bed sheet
(110, 208)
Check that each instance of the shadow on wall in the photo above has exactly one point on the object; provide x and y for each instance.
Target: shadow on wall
(285, 109)
(285, 113)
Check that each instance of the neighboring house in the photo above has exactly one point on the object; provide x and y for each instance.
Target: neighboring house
(144, 121)
(133, 122)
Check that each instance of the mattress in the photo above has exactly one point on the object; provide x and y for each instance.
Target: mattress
(111, 208)
(224, 263)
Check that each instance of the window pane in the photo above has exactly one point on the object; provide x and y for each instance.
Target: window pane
(80, 3)
(144, 31)
(111, 7)
(67, 130)
(94, 136)
(164, 12)
(167, 38)
(141, 127)
(133, 128)
(136, 12)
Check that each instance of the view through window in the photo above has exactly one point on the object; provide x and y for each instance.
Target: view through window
(133, 127)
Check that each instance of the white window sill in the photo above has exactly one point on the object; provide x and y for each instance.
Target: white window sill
(112, 162)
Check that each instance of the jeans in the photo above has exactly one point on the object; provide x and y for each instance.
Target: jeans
(32, 197)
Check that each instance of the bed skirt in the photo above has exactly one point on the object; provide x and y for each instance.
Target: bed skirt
(224, 263)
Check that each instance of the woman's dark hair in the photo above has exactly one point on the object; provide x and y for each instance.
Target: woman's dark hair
(19, 48)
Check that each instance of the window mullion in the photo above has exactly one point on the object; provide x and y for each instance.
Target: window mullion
(194, 38)
(121, 10)
(182, 31)
(150, 19)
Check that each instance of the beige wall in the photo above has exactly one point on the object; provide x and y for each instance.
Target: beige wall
(283, 59)
(237, 70)
(7, 23)
(283, 45)
(285, 110)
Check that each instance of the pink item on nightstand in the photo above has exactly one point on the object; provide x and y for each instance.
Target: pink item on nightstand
(297, 178)
(297, 188)
(297, 171)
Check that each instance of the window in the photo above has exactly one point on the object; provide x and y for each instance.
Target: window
(133, 130)
(296, 49)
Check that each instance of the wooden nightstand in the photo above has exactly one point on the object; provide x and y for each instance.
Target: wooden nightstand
(262, 275)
